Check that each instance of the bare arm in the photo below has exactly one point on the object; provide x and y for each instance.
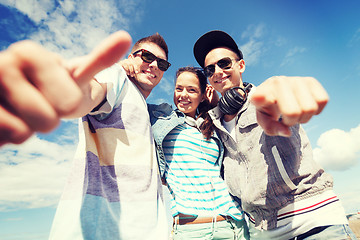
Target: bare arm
(38, 87)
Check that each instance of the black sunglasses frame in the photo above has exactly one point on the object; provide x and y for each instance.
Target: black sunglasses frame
(162, 64)
(224, 63)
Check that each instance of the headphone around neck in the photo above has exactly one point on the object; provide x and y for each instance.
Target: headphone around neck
(232, 101)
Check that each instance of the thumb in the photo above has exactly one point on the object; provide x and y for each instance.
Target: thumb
(108, 52)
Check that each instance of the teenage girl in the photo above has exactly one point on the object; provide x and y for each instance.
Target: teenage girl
(190, 158)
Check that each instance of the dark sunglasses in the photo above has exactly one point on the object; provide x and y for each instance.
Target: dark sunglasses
(224, 63)
(148, 57)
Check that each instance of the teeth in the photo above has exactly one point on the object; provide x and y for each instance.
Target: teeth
(150, 74)
(221, 80)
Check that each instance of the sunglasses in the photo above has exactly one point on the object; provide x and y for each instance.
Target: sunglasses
(224, 63)
(148, 57)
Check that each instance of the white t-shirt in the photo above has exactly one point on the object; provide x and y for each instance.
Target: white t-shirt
(114, 191)
(230, 127)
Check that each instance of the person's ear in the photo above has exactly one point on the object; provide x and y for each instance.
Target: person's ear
(242, 65)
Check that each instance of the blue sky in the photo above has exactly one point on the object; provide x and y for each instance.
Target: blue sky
(280, 37)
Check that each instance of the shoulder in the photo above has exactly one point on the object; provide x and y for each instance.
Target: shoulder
(215, 113)
(111, 74)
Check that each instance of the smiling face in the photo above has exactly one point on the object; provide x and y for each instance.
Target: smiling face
(149, 74)
(224, 79)
(187, 94)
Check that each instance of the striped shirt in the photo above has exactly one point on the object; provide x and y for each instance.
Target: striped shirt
(114, 191)
(193, 175)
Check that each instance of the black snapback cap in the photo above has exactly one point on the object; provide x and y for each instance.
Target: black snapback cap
(211, 40)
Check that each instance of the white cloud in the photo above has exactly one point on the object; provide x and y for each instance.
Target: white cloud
(295, 51)
(35, 9)
(252, 51)
(355, 38)
(25, 236)
(289, 57)
(73, 27)
(280, 41)
(167, 86)
(337, 149)
(254, 31)
(254, 48)
(12, 219)
(33, 174)
(162, 93)
(350, 199)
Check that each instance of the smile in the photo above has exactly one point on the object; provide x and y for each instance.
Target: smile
(221, 80)
(184, 102)
(148, 73)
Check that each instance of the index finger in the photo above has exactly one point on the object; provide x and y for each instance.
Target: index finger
(108, 52)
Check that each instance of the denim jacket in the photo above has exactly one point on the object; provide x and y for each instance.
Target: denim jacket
(268, 172)
(163, 119)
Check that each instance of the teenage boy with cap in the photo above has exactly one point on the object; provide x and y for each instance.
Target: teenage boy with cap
(268, 162)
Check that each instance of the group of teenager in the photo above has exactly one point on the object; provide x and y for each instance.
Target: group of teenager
(238, 166)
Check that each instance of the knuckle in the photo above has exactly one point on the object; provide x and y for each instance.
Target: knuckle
(310, 111)
(48, 124)
(43, 121)
(15, 134)
(21, 137)
(275, 81)
(310, 79)
(270, 131)
(70, 104)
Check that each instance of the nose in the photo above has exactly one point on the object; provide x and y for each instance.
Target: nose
(153, 64)
(217, 69)
(184, 93)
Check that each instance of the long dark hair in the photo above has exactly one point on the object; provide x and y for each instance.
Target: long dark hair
(207, 127)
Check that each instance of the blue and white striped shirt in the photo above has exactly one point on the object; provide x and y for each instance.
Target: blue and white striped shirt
(193, 175)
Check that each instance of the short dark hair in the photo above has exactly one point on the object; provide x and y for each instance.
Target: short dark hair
(156, 39)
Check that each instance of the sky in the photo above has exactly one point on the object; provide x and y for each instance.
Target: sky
(281, 37)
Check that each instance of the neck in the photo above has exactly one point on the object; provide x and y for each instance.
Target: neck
(143, 92)
(228, 118)
(190, 115)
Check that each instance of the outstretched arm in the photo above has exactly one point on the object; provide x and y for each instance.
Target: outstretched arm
(38, 87)
(282, 102)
